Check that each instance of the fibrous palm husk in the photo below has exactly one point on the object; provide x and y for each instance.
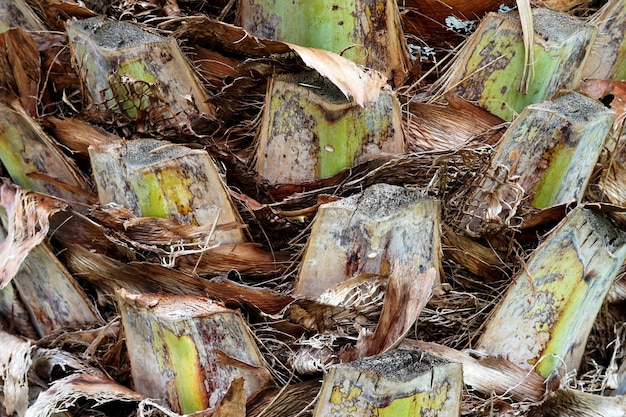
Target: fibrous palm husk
(110, 252)
(27, 225)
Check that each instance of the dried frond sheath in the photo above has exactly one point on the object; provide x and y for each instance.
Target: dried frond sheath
(15, 364)
(20, 66)
(368, 32)
(549, 151)
(613, 181)
(13, 310)
(136, 74)
(398, 383)
(17, 13)
(311, 131)
(187, 350)
(290, 400)
(108, 274)
(73, 391)
(488, 375)
(491, 64)
(366, 234)
(159, 179)
(406, 296)
(458, 124)
(53, 298)
(547, 313)
(26, 224)
(607, 59)
(78, 135)
(34, 161)
(478, 259)
(618, 292)
(568, 402)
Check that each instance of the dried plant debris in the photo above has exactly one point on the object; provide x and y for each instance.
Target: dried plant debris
(473, 241)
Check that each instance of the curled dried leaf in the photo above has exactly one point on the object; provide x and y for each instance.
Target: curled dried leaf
(27, 225)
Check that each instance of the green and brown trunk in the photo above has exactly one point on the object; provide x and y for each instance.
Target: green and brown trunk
(368, 32)
(134, 75)
(154, 178)
(34, 161)
(546, 156)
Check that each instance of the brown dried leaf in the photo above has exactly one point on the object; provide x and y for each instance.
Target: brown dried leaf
(67, 392)
(28, 222)
(77, 135)
(363, 87)
(405, 297)
(142, 277)
(246, 258)
(24, 59)
(353, 81)
(233, 404)
(15, 363)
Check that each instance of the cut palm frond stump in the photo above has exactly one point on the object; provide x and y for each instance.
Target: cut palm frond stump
(52, 297)
(135, 75)
(310, 130)
(366, 234)
(546, 316)
(154, 178)
(186, 350)
(490, 66)
(38, 296)
(608, 54)
(367, 32)
(399, 383)
(35, 161)
(548, 154)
